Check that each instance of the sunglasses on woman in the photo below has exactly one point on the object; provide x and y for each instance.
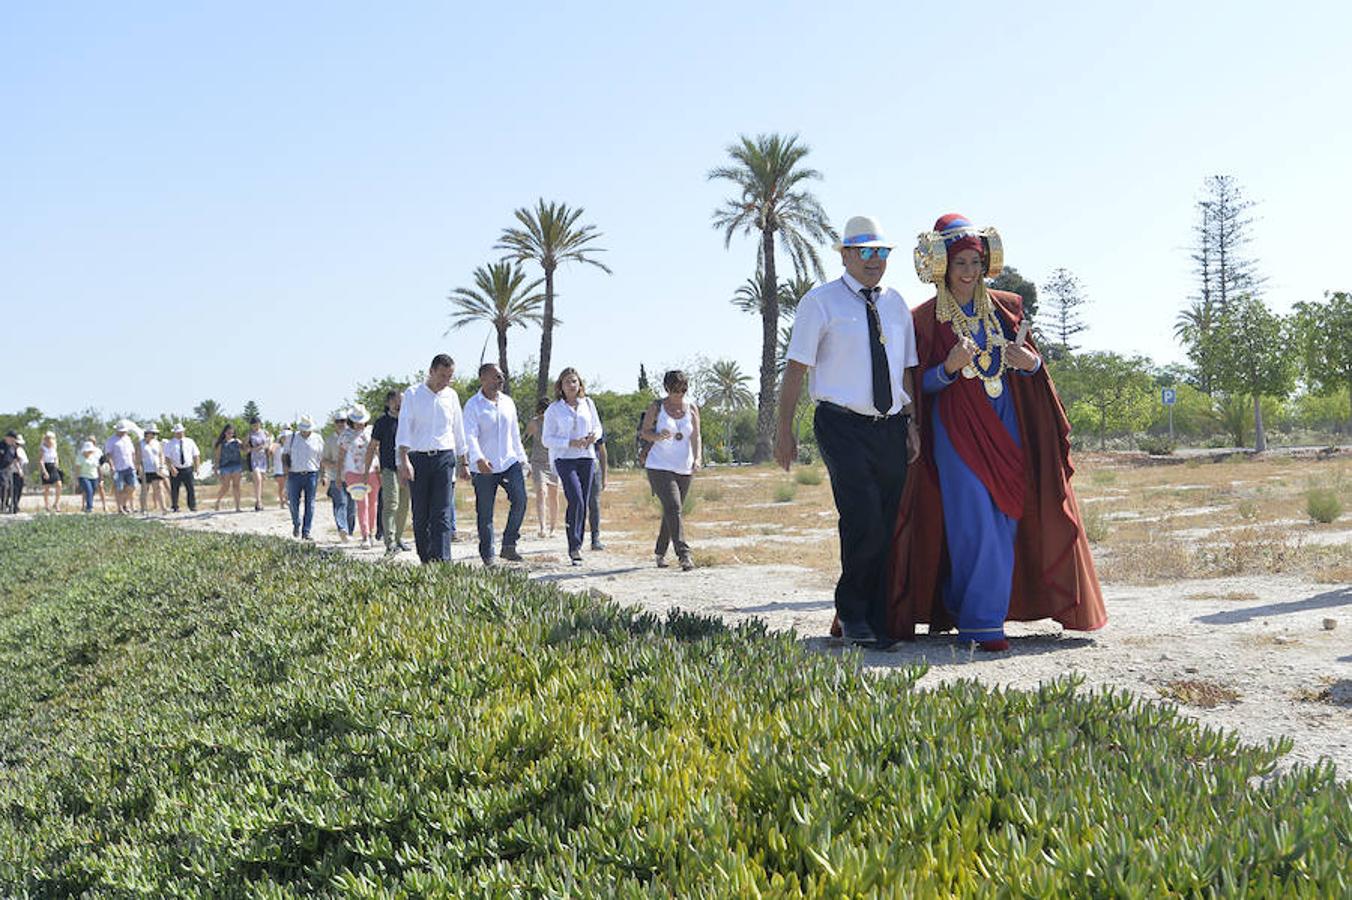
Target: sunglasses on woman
(867, 252)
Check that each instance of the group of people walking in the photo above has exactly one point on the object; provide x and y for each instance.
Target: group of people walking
(947, 446)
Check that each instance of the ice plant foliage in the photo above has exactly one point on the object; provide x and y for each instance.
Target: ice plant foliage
(191, 714)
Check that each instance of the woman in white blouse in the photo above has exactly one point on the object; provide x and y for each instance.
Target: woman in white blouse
(571, 429)
(52, 476)
(671, 425)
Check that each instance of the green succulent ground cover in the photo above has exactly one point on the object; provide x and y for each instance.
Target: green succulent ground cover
(186, 714)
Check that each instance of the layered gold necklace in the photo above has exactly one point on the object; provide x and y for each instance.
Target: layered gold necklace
(988, 366)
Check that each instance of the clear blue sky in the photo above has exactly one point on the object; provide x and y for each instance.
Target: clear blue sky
(272, 201)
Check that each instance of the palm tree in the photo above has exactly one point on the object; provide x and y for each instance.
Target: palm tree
(206, 410)
(549, 235)
(502, 300)
(726, 390)
(748, 297)
(770, 202)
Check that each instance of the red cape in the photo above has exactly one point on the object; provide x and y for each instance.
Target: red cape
(1053, 569)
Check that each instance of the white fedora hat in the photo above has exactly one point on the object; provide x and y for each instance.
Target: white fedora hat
(863, 231)
(305, 423)
(178, 428)
(358, 414)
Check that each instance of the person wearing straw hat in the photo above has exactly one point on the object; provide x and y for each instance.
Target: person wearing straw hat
(302, 459)
(121, 452)
(183, 457)
(49, 461)
(87, 471)
(988, 530)
(331, 478)
(856, 337)
(361, 483)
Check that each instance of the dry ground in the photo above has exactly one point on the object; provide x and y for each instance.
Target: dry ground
(1223, 596)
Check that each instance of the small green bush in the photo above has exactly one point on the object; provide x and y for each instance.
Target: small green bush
(1247, 509)
(785, 492)
(1157, 445)
(1323, 505)
(712, 494)
(807, 475)
(1102, 477)
(1095, 522)
(188, 714)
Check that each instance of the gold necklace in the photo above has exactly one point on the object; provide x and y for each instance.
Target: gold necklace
(949, 310)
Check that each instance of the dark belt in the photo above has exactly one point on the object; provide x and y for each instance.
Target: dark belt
(845, 411)
(428, 452)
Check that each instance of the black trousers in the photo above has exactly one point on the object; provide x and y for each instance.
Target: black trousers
(183, 478)
(867, 463)
(18, 492)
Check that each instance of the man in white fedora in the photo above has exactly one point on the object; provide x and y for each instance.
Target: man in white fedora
(183, 457)
(302, 458)
(121, 452)
(857, 338)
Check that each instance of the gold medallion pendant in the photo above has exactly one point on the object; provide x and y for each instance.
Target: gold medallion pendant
(984, 359)
(994, 387)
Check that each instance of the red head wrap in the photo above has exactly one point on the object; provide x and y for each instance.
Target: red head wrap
(959, 241)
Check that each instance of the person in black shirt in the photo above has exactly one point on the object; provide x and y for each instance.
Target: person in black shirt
(394, 496)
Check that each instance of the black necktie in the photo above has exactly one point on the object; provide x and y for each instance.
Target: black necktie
(882, 379)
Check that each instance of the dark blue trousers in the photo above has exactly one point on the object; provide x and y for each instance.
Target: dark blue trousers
(432, 498)
(575, 477)
(867, 463)
(513, 481)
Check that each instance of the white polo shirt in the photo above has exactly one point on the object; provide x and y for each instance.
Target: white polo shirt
(492, 432)
(830, 337)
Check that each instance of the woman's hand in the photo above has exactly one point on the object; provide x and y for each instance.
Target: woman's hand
(1020, 358)
(961, 356)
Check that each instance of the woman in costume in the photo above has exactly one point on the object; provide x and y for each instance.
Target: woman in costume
(995, 464)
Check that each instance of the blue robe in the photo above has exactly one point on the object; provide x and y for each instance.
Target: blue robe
(980, 537)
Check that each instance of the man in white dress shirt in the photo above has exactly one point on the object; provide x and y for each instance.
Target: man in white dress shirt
(183, 457)
(431, 435)
(496, 458)
(858, 339)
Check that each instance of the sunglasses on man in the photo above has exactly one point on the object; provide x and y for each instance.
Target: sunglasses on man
(867, 252)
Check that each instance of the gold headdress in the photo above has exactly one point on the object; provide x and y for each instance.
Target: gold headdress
(931, 265)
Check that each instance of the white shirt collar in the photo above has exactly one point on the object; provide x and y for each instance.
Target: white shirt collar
(855, 287)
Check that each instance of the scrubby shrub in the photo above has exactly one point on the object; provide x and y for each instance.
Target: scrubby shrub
(1323, 505)
(186, 714)
(1095, 522)
(1102, 477)
(1157, 445)
(807, 475)
(785, 492)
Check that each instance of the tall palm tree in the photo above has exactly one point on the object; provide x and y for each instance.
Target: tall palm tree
(550, 235)
(749, 297)
(726, 390)
(502, 299)
(771, 202)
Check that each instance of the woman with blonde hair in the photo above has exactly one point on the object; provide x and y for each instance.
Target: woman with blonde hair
(49, 462)
(571, 428)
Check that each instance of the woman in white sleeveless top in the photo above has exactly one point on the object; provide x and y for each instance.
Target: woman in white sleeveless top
(671, 425)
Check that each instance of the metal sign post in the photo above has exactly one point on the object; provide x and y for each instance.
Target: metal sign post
(1170, 397)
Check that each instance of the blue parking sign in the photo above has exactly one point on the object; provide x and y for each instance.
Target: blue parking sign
(1170, 396)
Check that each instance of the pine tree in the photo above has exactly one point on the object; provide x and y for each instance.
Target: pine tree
(643, 385)
(251, 411)
(1063, 295)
